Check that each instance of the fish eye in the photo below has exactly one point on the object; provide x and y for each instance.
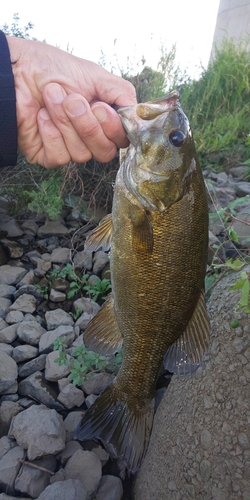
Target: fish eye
(177, 138)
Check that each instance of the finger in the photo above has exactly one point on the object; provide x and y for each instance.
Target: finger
(88, 128)
(111, 123)
(53, 152)
(54, 95)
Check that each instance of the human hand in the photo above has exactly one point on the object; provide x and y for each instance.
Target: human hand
(63, 110)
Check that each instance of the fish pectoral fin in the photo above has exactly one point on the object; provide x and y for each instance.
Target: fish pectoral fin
(102, 334)
(142, 232)
(186, 354)
(123, 427)
(101, 236)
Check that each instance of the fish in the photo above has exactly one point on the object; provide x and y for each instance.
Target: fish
(158, 235)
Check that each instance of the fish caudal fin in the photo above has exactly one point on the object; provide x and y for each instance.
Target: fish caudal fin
(186, 354)
(124, 431)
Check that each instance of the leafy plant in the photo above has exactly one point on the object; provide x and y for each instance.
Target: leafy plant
(47, 199)
(85, 362)
(99, 289)
(243, 284)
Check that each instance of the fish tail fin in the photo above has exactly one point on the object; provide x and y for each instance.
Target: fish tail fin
(123, 427)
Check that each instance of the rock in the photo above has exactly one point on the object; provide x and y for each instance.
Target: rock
(71, 422)
(8, 349)
(8, 371)
(7, 497)
(14, 317)
(3, 323)
(85, 466)
(97, 383)
(25, 303)
(110, 488)
(58, 317)
(23, 352)
(201, 435)
(83, 260)
(42, 268)
(54, 371)
(39, 430)
(12, 389)
(60, 284)
(100, 260)
(83, 321)
(56, 296)
(28, 279)
(30, 227)
(8, 410)
(60, 255)
(48, 338)
(33, 481)
(71, 489)
(70, 396)
(70, 448)
(30, 332)
(242, 188)
(6, 444)
(11, 275)
(52, 228)
(101, 453)
(11, 227)
(12, 248)
(8, 334)
(86, 305)
(9, 467)
(89, 400)
(37, 364)
(4, 306)
(241, 227)
(7, 291)
(38, 388)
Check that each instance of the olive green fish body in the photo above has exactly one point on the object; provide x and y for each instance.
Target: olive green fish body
(159, 232)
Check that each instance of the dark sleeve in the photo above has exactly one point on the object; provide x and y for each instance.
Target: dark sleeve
(8, 122)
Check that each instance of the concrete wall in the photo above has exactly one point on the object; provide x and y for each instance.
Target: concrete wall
(233, 21)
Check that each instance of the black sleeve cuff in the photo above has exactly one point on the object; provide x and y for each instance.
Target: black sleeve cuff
(8, 121)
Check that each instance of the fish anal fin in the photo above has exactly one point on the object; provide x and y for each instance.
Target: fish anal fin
(102, 334)
(101, 236)
(124, 429)
(142, 232)
(186, 354)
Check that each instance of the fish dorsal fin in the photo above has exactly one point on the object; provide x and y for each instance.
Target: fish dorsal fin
(142, 232)
(101, 236)
(102, 334)
(185, 355)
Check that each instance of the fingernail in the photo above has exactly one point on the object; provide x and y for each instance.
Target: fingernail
(75, 107)
(56, 93)
(100, 113)
(43, 113)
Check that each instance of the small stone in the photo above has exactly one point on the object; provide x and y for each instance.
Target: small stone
(70, 448)
(56, 296)
(37, 364)
(37, 387)
(24, 352)
(8, 349)
(97, 383)
(205, 470)
(89, 400)
(60, 255)
(30, 227)
(52, 228)
(70, 396)
(83, 321)
(206, 439)
(7, 291)
(14, 317)
(28, 279)
(12, 248)
(39, 430)
(8, 371)
(99, 261)
(32, 481)
(54, 371)
(87, 305)
(101, 453)
(6, 444)
(85, 466)
(11, 227)
(83, 260)
(8, 409)
(243, 441)
(172, 486)
(30, 332)
(8, 334)
(42, 268)
(48, 338)
(11, 275)
(71, 422)
(58, 317)
(25, 303)
(71, 489)
(4, 306)
(9, 468)
(110, 488)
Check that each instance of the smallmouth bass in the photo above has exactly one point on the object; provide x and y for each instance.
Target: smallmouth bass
(158, 236)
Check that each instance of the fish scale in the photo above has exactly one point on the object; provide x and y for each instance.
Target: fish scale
(158, 233)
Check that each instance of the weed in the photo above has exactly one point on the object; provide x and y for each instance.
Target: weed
(85, 363)
(99, 289)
